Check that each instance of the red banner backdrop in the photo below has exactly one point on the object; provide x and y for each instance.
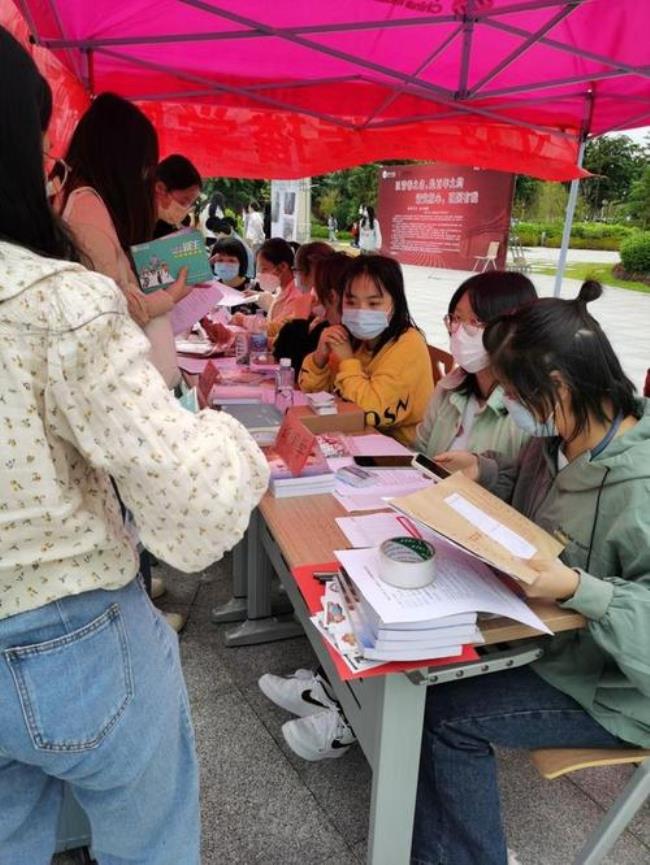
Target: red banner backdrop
(444, 215)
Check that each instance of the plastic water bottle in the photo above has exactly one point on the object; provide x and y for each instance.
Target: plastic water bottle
(284, 382)
(241, 347)
(258, 340)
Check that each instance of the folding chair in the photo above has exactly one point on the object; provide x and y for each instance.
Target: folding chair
(441, 362)
(490, 258)
(554, 762)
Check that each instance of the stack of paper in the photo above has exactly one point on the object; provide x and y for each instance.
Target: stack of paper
(315, 478)
(436, 621)
(322, 402)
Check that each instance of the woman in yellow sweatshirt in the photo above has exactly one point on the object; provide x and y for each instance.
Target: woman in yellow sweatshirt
(375, 357)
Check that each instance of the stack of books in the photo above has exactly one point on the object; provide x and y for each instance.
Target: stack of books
(261, 420)
(316, 478)
(239, 387)
(387, 630)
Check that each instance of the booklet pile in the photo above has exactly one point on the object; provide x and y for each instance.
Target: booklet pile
(370, 621)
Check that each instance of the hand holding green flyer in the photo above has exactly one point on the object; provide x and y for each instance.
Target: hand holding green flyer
(159, 261)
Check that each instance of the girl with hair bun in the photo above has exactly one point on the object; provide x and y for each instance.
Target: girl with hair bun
(585, 477)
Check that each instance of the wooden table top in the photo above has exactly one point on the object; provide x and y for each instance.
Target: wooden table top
(304, 528)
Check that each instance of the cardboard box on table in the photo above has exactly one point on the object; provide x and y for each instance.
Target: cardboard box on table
(349, 418)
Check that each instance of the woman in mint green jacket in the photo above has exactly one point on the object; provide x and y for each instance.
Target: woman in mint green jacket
(466, 411)
(584, 477)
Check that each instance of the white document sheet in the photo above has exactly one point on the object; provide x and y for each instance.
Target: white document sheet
(387, 484)
(232, 297)
(373, 529)
(192, 308)
(377, 445)
(461, 584)
(513, 542)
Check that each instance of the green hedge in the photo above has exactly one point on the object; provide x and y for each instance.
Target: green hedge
(635, 253)
(584, 235)
(319, 231)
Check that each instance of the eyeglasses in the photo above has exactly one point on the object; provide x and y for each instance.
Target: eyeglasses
(472, 326)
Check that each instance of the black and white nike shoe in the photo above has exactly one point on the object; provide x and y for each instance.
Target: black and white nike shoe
(324, 736)
(303, 693)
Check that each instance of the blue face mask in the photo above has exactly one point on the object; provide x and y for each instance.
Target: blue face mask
(527, 421)
(225, 270)
(365, 323)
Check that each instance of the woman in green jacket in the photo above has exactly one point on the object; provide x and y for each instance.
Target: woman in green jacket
(466, 411)
(584, 477)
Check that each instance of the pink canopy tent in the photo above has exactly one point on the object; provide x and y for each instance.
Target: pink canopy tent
(289, 89)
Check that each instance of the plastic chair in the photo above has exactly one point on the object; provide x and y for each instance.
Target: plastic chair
(490, 258)
(554, 762)
(441, 362)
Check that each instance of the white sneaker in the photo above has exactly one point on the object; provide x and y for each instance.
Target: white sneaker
(326, 735)
(158, 588)
(303, 693)
(512, 858)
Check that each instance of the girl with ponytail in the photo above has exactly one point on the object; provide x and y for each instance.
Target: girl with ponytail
(585, 477)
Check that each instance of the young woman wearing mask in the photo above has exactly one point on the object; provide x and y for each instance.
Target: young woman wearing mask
(300, 337)
(108, 202)
(275, 260)
(91, 683)
(177, 188)
(467, 410)
(585, 477)
(376, 357)
(369, 231)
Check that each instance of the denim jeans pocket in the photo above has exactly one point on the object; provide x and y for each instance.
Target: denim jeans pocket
(74, 689)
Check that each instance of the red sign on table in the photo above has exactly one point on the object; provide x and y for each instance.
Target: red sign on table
(443, 215)
(206, 382)
(294, 443)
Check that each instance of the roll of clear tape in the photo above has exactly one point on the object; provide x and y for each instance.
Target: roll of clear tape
(407, 563)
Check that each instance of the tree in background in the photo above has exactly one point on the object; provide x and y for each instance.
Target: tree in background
(639, 200)
(617, 163)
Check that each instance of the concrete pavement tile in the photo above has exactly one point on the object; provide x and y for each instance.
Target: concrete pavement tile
(548, 821)
(604, 784)
(340, 786)
(252, 800)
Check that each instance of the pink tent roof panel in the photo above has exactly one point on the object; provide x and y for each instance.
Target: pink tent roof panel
(496, 82)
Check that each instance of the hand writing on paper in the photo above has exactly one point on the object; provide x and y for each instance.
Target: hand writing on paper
(179, 289)
(554, 581)
(459, 461)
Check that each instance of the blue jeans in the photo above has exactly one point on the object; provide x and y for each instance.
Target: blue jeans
(458, 814)
(92, 693)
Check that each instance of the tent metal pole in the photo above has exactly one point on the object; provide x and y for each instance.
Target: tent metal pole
(568, 223)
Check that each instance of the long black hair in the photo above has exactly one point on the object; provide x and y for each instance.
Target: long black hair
(369, 219)
(177, 172)
(387, 275)
(491, 294)
(114, 150)
(25, 111)
(561, 336)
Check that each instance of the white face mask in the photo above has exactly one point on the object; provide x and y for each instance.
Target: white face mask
(268, 281)
(365, 323)
(174, 213)
(301, 285)
(468, 350)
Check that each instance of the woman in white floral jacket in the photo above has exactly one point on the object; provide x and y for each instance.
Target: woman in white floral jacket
(92, 690)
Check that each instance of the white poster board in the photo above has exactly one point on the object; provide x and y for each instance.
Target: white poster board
(291, 209)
